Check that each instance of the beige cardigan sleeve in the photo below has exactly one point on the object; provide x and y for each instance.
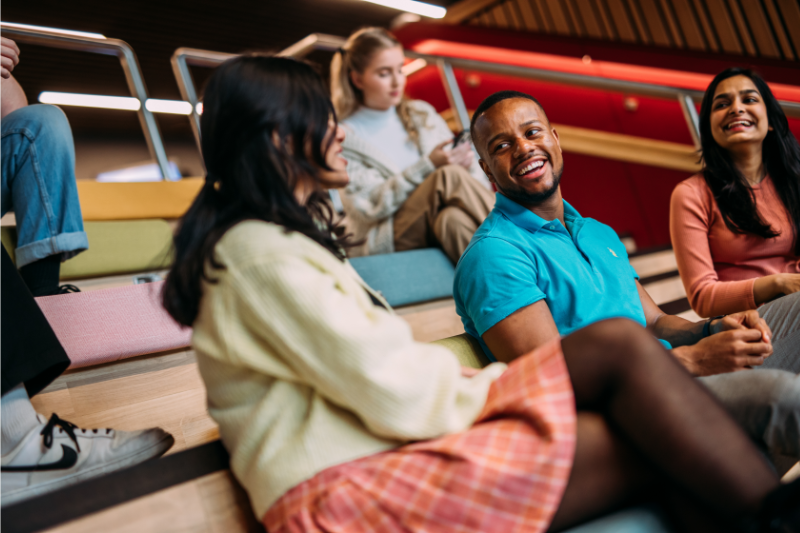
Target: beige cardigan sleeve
(365, 361)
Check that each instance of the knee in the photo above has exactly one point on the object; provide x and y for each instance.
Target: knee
(619, 339)
(618, 332)
(43, 122)
(452, 173)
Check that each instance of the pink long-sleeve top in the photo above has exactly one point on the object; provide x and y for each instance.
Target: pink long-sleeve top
(717, 266)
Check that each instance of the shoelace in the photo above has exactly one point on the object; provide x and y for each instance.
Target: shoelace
(66, 289)
(68, 428)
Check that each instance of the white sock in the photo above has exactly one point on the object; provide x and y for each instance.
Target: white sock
(17, 417)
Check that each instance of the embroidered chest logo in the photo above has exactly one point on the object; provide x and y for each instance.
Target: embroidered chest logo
(612, 252)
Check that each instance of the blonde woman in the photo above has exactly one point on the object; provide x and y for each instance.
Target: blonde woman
(410, 187)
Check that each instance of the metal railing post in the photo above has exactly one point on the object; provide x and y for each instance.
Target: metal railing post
(130, 66)
(314, 41)
(181, 59)
(188, 93)
(454, 94)
(692, 120)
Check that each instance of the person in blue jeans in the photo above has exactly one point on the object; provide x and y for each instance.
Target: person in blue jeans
(536, 269)
(38, 183)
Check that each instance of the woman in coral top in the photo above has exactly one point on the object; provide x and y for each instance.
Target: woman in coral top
(735, 225)
(337, 420)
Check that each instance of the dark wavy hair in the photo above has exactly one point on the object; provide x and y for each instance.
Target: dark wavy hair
(781, 156)
(263, 125)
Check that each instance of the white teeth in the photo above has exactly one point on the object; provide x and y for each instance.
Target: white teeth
(532, 166)
(737, 123)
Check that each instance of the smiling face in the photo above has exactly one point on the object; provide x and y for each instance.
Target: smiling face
(519, 150)
(738, 114)
(382, 82)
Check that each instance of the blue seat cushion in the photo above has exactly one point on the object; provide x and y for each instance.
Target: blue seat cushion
(633, 520)
(410, 277)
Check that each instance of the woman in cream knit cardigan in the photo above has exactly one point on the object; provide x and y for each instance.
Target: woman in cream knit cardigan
(409, 187)
(337, 420)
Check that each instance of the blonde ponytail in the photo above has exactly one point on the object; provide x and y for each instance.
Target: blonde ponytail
(354, 56)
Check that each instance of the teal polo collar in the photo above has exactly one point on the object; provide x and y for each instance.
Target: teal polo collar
(526, 219)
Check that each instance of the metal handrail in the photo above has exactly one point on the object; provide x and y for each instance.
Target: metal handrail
(184, 57)
(130, 66)
(686, 97)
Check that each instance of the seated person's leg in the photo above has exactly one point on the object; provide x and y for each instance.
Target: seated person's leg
(766, 403)
(783, 317)
(450, 186)
(38, 184)
(32, 357)
(619, 371)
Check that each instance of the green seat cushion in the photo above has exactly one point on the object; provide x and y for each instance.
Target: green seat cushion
(467, 349)
(114, 248)
(119, 247)
(9, 238)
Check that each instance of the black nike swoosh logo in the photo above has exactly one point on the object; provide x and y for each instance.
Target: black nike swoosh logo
(68, 460)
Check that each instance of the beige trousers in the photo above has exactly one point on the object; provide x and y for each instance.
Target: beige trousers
(444, 211)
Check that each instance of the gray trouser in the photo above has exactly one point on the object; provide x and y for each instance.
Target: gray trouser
(766, 402)
(783, 318)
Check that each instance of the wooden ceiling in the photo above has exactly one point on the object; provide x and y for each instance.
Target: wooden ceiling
(755, 28)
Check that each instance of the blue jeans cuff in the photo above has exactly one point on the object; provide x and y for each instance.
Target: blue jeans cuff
(66, 244)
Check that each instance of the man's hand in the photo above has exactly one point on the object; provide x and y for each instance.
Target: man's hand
(729, 351)
(744, 320)
(9, 57)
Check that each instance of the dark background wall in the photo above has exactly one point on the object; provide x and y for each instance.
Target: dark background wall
(155, 29)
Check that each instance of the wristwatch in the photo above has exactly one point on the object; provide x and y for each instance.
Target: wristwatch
(707, 325)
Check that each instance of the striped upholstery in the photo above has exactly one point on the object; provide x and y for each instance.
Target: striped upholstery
(108, 325)
(128, 201)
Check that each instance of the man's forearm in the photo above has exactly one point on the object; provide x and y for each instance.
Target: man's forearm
(677, 331)
(12, 97)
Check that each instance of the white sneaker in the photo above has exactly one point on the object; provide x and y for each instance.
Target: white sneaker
(57, 453)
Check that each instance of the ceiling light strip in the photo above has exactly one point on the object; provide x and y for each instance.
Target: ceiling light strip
(123, 103)
(412, 6)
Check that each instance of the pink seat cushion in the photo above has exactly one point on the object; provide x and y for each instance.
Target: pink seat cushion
(108, 325)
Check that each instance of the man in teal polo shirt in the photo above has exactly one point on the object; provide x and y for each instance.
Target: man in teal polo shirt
(537, 269)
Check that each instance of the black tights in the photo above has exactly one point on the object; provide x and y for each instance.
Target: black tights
(643, 421)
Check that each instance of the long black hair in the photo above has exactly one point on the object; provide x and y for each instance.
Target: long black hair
(781, 156)
(263, 125)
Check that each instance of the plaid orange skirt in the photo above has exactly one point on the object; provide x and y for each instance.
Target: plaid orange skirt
(506, 473)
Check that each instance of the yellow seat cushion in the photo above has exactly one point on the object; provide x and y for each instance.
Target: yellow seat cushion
(467, 349)
(129, 201)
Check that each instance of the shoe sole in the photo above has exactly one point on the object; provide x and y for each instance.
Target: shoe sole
(156, 450)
